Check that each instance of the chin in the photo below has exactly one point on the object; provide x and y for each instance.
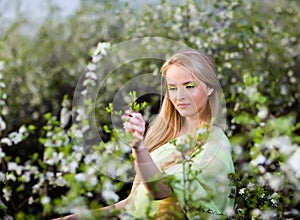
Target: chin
(187, 114)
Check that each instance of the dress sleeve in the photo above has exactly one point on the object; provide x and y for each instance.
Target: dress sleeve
(201, 184)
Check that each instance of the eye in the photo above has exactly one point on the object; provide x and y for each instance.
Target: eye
(190, 85)
(171, 88)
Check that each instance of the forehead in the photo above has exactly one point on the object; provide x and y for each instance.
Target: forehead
(179, 74)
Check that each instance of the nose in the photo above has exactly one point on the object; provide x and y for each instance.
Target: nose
(181, 94)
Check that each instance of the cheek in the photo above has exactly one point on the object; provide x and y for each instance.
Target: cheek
(172, 97)
(199, 96)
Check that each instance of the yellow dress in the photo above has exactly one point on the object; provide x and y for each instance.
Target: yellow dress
(200, 183)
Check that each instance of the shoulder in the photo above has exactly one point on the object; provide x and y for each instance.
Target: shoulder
(216, 150)
(218, 139)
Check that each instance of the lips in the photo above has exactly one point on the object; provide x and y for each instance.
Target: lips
(182, 105)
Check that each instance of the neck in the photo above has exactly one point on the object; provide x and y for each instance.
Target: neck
(189, 125)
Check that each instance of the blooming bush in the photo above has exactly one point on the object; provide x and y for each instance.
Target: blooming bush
(48, 170)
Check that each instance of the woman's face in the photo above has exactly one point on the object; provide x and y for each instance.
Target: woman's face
(186, 92)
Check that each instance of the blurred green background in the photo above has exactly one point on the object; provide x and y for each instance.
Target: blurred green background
(45, 47)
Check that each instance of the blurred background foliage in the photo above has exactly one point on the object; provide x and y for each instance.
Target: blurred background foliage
(255, 45)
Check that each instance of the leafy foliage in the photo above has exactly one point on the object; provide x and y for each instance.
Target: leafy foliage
(255, 46)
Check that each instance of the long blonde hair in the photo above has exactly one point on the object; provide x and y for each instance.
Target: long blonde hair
(167, 124)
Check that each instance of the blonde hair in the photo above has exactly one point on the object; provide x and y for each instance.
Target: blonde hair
(167, 124)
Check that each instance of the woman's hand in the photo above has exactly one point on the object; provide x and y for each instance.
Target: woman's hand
(134, 124)
(69, 217)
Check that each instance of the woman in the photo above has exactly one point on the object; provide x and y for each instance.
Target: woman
(183, 161)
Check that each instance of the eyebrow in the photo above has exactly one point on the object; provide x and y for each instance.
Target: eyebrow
(170, 84)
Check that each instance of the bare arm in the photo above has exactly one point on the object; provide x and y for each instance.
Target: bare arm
(151, 176)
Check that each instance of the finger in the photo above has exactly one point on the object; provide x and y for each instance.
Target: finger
(137, 115)
(135, 121)
(126, 125)
(138, 119)
(129, 112)
(125, 118)
(138, 136)
(137, 128)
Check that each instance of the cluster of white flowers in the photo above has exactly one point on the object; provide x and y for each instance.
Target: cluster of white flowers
(101, 51)
(91, 76)
(3, 99)
(56, 139)
(15, 137)
(108, 192)
(280, 145)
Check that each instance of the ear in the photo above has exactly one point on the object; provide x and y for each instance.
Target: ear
(209, 91)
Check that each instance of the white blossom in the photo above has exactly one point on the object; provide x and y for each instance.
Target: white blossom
(93, 180)
(124, 216)
(229, 210)
(80, 114)
(256, 212)
(23, 130)
(108, 192)
(8, 217)
(110, 195)
(36, 187)
(282, 143)
(201, 131)
(6, 194)
(45, 200)
(268, 214)
(1, 68)
(11, 177)
(30, 200)
(15, 137)
(125, 147)
(2, 85)
(89, 82)
(49, 143)
(258, 160)
(294, 162)
(89, 194)
(77, 155)
(81, 177)
(273, 181)
(6, 141)
(65, 116)
(97, 58)
(91, 67)
(60, 181)
(26, 177)
(237, 149)
(31, 168)
(102, 48)
(250, 91)
(84, 92)
(49, 175)
(73, 166)
(91, 75)
(2, 124)
(2, 154)
(12, 166)
(82, 211)
(78, 134)
(262, 113)
(242, 191)
(2, 176)
(91, 171)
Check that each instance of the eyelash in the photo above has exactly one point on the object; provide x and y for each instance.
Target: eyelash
(191, 86)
